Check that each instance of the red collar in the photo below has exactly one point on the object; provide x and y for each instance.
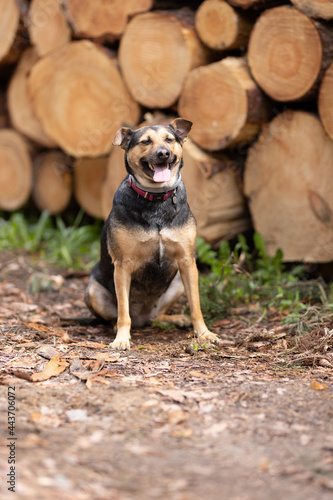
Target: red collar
(150, 196)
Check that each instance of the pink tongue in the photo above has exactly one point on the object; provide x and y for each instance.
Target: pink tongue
(162, 174)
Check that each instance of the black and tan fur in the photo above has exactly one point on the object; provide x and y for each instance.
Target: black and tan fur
(148, 247)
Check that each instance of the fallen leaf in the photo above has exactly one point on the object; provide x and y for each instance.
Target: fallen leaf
(196, 374)
(112, 359)
(96, 379)
(139, 449)
(88, 371)
(22, 374)
(5, 312)
(264, 464)
(53, 368)
(326, 482)
(317, 385)
(200, 395)
(23, 307)
(47, 351)
(26, 362)
(177, 417)
(44, 420)
(109, 373)
(182, 432)
(77, 369)
(216, 429)
(49, 330)
(97, 364)
(172, 394)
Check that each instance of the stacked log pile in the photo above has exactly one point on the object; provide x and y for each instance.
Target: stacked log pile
(254, 76)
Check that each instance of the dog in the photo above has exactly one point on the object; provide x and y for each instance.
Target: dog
(148, 241)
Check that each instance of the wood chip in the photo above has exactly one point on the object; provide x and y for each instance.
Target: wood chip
(318, 385)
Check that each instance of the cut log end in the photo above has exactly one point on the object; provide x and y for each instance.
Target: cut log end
(21, 112)
(217, 99)
(325, 101)
(89, 100)
(285, 53)
(115, 173)
(220, 27)
(97, 18)
(47, 25)
(89, 177)
(52, 186)
(156, 52)
(289, 170)
(15, 171)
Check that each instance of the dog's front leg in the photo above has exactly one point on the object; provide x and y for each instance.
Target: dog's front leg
(190, 276)
(122, 281)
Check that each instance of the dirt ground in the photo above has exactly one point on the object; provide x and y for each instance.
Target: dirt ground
(169, 420)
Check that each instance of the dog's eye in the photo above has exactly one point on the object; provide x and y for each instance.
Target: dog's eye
(146, 142)
(169, 139)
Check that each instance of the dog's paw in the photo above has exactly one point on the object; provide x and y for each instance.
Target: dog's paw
(120, 345)
(209, 337)
(180, 320)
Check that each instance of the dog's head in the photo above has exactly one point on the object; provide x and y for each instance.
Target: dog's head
(153, 154)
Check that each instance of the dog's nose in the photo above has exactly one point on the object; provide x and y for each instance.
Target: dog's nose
(163, 154)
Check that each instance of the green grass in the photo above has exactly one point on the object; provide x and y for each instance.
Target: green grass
(75, 246)
(242, 277)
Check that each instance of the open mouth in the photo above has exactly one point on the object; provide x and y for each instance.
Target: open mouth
(161, 171)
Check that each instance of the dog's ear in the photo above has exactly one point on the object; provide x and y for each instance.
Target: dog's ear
(123, 137)
(182, 127)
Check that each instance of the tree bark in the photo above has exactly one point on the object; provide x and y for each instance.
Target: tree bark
(4, 118)
(47, 25)
(15, 171)
(156, 52)
(89, 100)
(224, 104)
(115, 173)
(214, 194)
(256, 4)
(289, 183)
(97, 18)
(325, 101)
(287, 53)
(220, 27)
(22, 114)
(52, 184)
(89, 177)
(318, 9)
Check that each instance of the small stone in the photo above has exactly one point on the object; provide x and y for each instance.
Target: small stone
(77, 415)
(190, 349)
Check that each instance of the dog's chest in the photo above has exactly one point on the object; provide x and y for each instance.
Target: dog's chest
(159, 248)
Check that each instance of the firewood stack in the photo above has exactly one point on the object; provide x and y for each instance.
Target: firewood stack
(254, 76)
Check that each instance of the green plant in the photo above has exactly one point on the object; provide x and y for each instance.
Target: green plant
(17, 232)
(73, 246)
(240, 276)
